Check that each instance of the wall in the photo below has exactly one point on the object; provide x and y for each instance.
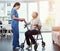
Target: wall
(57, 12)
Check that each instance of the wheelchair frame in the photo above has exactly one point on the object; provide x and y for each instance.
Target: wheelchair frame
(39, 33)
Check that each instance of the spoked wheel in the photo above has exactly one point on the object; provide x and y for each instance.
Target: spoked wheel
(35, 47)
(43, 44)
(22, 45)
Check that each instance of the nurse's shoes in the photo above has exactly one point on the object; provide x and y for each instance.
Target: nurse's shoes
(19, 46)
(16, 48)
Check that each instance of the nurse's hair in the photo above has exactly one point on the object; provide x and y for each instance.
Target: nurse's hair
(16, 4)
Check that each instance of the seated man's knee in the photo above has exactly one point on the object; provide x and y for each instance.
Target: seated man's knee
(27, 33)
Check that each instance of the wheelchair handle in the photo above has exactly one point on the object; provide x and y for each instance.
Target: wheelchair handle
(26, 26)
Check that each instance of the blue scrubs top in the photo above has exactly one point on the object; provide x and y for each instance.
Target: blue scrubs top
(15, 28)
(14, 22)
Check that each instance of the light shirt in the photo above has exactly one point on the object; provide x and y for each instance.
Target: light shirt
(33, 22)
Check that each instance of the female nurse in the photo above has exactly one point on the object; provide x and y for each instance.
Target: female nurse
(15, 24)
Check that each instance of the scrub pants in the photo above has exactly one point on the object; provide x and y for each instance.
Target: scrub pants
(15, 31)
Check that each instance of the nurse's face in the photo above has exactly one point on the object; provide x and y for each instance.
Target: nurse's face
(17, 7)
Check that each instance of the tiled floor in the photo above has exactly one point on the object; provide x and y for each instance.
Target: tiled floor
(6, 44)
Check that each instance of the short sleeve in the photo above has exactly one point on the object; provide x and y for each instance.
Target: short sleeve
(13, 12)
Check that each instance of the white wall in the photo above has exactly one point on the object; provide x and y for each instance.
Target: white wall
(57, 12)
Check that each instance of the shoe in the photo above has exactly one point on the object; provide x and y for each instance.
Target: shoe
(17, 47)
(35, 46)
(28, 47)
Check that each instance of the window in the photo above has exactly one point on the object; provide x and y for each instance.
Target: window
(31, 8)
(2, 9)
(44, 12)
(46, 20)
(26, 11)
(9, 6)
(22, 14)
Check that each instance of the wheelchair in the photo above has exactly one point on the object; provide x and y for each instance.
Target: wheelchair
(39, 33)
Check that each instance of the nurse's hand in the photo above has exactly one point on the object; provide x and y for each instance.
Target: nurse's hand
(21, 19)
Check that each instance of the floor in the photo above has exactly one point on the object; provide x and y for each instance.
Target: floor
(6, 44)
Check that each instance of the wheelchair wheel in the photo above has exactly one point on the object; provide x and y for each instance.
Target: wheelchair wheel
(43, 44)
(35, 47)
